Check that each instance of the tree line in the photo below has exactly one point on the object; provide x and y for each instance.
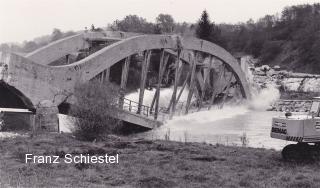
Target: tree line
(29, 46)
(290, 39)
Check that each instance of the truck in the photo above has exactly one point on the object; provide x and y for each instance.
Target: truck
(303, 129)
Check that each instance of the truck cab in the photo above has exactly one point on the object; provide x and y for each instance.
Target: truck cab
(299, 127)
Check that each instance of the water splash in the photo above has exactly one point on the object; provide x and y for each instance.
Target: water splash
(165, 96)
(203, 117)
(262, 99)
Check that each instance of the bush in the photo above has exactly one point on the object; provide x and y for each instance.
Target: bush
(94, 104)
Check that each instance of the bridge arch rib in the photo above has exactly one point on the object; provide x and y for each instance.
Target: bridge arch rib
(81, 41)
(51, 85)
(57, 49)
(55, 83)
(91, 66)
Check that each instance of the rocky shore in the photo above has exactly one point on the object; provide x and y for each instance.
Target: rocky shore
(286, 81)
(296, 89)
(291, 105)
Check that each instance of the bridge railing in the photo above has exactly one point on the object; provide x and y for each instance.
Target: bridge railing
(133, 106)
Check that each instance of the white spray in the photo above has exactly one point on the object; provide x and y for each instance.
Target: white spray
(263, 98)
(165, 96)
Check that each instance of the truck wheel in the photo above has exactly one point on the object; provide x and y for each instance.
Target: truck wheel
(316, 152)
(289, 152)
(296, 152)
(305, 151)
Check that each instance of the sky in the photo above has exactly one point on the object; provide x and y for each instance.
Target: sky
(22, 20)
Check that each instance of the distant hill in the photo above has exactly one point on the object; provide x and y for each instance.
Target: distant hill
(291, 40)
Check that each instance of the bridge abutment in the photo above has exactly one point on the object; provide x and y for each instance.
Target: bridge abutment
(46, 118)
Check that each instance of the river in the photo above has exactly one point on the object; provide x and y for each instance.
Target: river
(226, 126)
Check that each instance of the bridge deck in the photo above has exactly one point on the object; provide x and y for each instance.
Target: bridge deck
(142, 116)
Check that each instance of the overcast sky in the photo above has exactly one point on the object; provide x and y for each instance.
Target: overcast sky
(26, 19)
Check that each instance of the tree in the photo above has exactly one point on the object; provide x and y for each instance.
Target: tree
(207, 30)
(204, 28)
(4, 47)
(30, 46)
(183, 29)
(315, 52)
(94, 104)
(56, 35)
(133, 23)
(165, 22)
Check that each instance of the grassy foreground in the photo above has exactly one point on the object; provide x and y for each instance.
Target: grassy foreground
(145, 163)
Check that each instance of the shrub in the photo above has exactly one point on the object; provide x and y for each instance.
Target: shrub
(94, 104)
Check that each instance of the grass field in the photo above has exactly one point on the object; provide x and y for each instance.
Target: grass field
(144, 163)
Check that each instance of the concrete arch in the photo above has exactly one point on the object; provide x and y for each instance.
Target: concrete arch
(41, 82)
(48, 86)
(10, 97)
(57, 49)
(65, 46)
(89, 67)
(36, 82)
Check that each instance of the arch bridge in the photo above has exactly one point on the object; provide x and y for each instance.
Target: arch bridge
(46, 78)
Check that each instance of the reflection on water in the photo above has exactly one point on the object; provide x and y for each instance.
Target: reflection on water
(225, 126)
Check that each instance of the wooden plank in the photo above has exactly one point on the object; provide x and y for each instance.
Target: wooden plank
(183, 86)
(124, 78)
(191, 85)
(125, 71)
(107, 75)
(162, 67)
(68, 59)
(99, 77)
(144, 71)
(200, 79)
(227, 91)
(208, 71)
(175, 86)
(103, 76)
(206, 79)
(181, 90)
(215, 91)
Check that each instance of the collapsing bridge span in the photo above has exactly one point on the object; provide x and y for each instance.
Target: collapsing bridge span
(46, 78)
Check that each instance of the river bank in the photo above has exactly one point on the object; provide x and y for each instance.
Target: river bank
(146, 163)
(291, 105)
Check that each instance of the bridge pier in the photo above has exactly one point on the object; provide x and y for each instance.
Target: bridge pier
(46, 118)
